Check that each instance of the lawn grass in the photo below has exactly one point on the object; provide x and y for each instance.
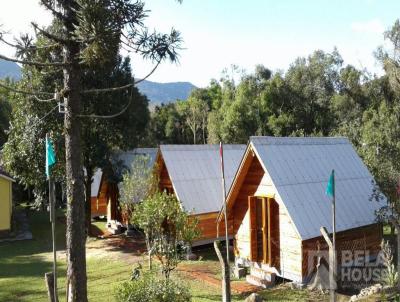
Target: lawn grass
(283, 292)
(202, 292)
(24, 263)
(100, 224)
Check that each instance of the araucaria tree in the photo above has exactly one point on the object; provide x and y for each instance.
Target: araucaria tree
(89, 33)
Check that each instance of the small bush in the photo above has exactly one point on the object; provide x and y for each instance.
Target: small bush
(391, 278)
(152, 289)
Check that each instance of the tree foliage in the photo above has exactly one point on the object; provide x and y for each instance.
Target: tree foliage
(167, 227)
(317, 96)
(148, 287)
(194, 113)
(100, 136)
(138, 183)
(87, 34)
(5, 113)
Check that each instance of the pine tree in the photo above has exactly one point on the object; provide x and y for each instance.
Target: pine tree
(90, 33)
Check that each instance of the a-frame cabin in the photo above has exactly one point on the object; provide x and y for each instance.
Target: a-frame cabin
(277, 204)
(193, 174)
(108, 188)
(98, 203)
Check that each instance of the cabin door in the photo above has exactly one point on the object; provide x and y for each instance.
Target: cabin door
(264, 230)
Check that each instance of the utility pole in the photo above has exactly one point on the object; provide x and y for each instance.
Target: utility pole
(221, 150)
(225, 266)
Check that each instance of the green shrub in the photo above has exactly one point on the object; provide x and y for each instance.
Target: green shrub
(391, 277)
(152, 289)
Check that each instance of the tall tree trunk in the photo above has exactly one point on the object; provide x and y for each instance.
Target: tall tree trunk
(76, 236)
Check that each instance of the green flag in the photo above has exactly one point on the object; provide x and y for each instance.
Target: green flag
(50, 156)
(330, 188)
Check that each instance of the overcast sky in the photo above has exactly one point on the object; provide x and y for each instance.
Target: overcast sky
(218, 33)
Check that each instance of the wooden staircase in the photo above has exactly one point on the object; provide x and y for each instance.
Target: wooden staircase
(261, 275)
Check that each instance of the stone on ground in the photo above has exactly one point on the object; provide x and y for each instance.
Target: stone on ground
(254, 298)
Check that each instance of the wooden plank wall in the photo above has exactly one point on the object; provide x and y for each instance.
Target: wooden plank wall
(98, 206)
(108, 196)
(287, 244)
(240, 211)
(275, 245)
(164, 179)
(113, 212)
(364, 238)
(248, 188)
(290, 247)
(208, 226)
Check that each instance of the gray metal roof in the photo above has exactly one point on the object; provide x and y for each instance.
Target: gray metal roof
(96, 182)
(195, 172)
(126, 158)
(300, 168)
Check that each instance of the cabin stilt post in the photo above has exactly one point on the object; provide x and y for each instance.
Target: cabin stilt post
(332, 267)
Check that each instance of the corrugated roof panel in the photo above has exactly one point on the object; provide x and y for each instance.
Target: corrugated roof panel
(127, 157)
(195, 171)
(96, 182)
(300, 169)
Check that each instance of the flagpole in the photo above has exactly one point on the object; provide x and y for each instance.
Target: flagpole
(333, 276)
(53, 223)
(224, 200)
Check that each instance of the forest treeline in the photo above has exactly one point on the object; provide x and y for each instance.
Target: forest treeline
(317, 96)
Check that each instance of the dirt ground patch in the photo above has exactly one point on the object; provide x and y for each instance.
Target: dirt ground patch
(133, 249)
(129, 249)
(206, 272)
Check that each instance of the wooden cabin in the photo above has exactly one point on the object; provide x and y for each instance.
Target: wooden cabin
(109, 186)
(98, 201)
(193, 174)
(277, 205)
(6, 202)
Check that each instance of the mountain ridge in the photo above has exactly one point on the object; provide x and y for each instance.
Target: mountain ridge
(157, 93)
(9, 70)
(164, 93)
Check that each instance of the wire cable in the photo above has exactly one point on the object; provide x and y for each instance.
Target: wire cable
(36, 93)
(112, 115)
